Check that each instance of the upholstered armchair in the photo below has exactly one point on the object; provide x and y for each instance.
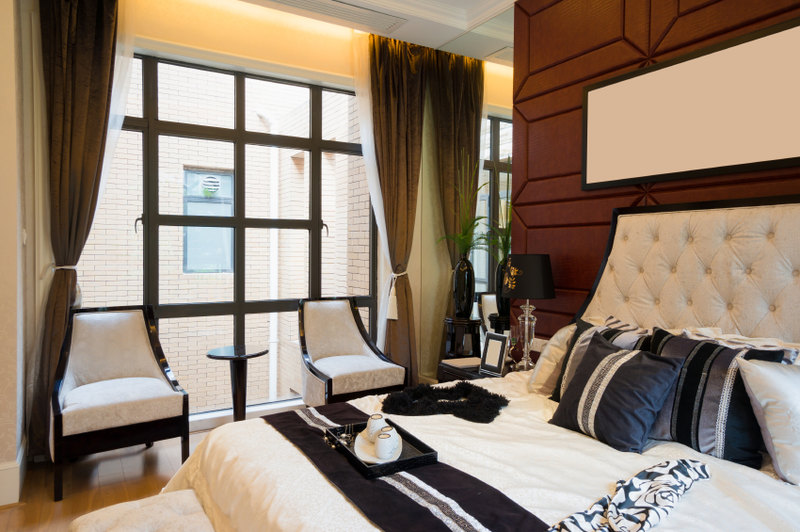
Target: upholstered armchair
(113, 387)
(340, 360)
(487, 305)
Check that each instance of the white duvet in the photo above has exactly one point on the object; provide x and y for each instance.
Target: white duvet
(248, 477)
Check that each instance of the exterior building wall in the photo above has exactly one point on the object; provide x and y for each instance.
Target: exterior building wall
(277, 185)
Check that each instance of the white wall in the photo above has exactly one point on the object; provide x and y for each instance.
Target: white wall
(11, 325)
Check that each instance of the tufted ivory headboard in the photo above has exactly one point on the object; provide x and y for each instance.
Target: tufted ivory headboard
(736, 268)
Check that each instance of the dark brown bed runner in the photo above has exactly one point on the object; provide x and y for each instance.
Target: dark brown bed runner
(432, 497)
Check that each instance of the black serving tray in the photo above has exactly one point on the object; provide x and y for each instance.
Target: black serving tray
(415, 453)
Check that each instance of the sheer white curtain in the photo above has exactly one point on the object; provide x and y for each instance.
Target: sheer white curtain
(119, 88)
(364, 104)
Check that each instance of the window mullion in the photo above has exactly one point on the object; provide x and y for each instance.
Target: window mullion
(239, 212)
(315, 236)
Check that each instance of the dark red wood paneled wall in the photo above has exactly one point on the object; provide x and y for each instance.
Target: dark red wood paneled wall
(561, 46)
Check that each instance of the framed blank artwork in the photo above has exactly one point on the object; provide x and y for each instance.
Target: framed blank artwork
(732, 107)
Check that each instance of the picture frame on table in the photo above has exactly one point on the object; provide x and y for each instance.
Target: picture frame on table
(494, 355)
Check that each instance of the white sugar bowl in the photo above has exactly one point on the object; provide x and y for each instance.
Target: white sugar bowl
(374, 425)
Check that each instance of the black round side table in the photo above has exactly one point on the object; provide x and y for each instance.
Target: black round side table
(237, 355)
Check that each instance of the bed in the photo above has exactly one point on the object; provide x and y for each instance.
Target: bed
(708, 269)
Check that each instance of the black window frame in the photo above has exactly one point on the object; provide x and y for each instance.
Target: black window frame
(152, 128)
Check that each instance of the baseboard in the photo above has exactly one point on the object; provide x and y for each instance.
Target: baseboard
(12, 475)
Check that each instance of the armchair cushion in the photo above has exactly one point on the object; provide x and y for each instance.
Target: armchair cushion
(355, 373)
(119, 402)
(331, 331)
(109, 345)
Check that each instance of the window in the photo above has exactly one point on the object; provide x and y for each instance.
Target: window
(207, 193)
(495, 197)
(252, 195)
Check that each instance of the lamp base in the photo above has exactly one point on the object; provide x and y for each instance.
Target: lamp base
(528, 323)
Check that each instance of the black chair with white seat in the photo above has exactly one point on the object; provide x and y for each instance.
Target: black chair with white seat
(113, 387)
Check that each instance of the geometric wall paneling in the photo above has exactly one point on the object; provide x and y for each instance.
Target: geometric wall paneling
(577, 211)
(548, 116)
(554, 145)
(721, 21)
(739, 97)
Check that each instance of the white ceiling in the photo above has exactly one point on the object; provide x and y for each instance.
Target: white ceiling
(483, 29)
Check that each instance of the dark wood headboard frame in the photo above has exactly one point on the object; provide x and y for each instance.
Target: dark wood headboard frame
(695, 206)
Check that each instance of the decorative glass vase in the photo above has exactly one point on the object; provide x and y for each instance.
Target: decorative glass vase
(463, 288)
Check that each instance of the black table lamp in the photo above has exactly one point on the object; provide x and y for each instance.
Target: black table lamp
(528, 277)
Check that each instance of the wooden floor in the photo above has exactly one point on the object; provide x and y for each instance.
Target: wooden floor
(93, 482)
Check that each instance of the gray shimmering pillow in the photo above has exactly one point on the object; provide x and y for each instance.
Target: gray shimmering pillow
(615, 394)
(708, 408)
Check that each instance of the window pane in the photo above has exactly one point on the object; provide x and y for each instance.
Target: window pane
(194, 169)
(186, 342)
(486, 133)
(275, 264)
(345, 210)
(505, 141)
(340, 117)
(276, 108)
(276, 375)
(479, 257)
(110, 269)
(133, 106)
(195, 96)
(195, 264)
(276, 182)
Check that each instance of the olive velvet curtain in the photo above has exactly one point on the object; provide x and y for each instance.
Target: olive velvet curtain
(457, 98)
(78, 49)
(400, 74)
(397, 78)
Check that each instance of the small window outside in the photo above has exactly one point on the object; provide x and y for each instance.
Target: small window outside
(207, 193)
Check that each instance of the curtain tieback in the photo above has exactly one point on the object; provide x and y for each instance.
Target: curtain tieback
(67, 267)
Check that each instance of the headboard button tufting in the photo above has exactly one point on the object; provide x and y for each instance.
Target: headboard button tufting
(728, 236)
(772, 308)
(770, 235)
(730, 306)
(748, 271)
(674, 269)
(708, 271)
(796, 273)
(690, 239)
(688, 302)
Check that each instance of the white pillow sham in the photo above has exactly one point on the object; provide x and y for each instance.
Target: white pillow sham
(774, 391)
(545, 374)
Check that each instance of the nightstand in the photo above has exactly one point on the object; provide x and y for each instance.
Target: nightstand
(466, 369)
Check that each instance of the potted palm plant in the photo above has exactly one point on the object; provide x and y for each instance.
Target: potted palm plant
(465, 239)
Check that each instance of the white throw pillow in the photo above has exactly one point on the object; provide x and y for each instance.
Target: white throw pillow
(545, 373)
(774, 393)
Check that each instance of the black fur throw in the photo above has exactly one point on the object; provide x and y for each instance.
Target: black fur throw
(464, 400)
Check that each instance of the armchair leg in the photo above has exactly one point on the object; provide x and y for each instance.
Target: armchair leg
(58, 480)
(184, 447)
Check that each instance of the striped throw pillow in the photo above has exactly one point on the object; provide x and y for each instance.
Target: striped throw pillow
(708, 408)
(615, 394)
(615, 331)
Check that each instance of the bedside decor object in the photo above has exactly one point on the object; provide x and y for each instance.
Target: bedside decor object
(494, 355)
(465, 240)
(528, 277)
(464, 400)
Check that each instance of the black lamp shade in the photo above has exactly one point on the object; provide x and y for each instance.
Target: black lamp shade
(528, 277)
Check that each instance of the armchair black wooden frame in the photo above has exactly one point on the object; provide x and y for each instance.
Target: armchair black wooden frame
(309, 364)
(75, 445)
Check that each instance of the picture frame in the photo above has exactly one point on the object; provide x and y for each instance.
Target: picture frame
(493, 358)
(724, 109)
